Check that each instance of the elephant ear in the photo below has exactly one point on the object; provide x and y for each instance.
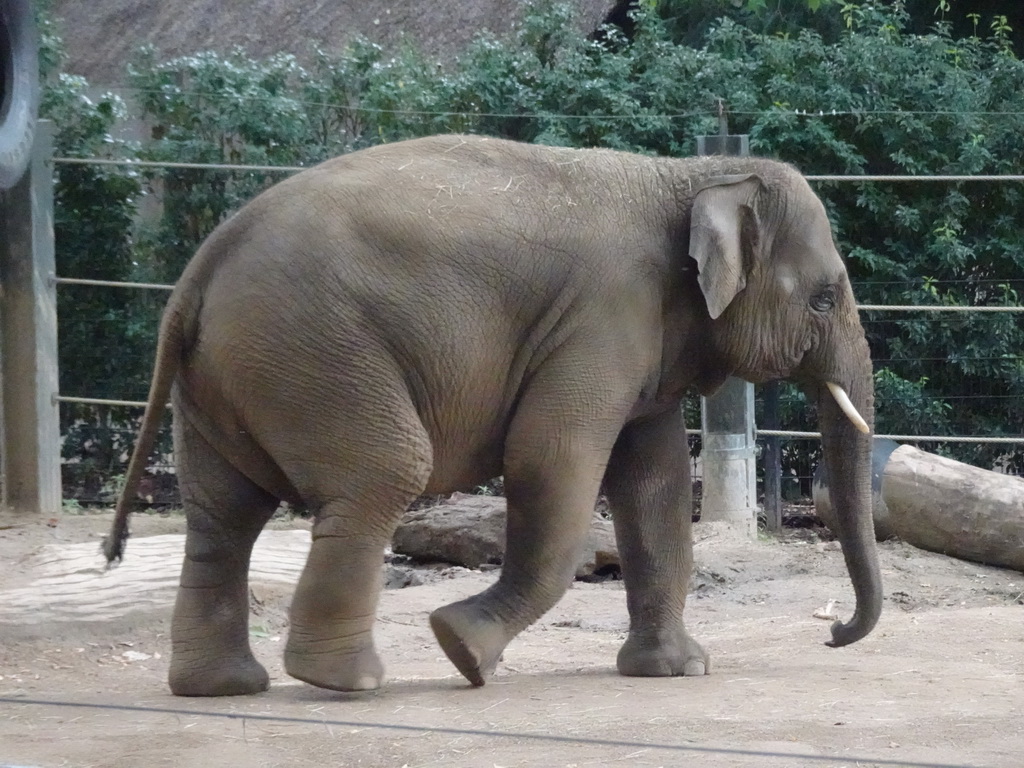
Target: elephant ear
(723, 237)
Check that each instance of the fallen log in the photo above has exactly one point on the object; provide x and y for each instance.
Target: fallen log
(469, 530)
(941, 505)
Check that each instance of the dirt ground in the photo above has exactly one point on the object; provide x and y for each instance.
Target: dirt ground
(83, 659)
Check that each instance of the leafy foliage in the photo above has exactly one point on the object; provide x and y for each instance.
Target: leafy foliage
(217, 110)
(101, 330)
(834, 87)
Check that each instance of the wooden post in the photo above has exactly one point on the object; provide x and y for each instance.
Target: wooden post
(29, 425)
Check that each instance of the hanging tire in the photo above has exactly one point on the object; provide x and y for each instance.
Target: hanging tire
(19, 88)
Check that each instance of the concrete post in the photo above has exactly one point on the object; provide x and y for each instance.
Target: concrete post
(727, 417)
(29, 424)
(728, 452)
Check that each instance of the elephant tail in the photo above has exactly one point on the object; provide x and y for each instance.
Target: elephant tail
(177, 325)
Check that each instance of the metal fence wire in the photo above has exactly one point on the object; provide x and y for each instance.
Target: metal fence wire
(107, 426)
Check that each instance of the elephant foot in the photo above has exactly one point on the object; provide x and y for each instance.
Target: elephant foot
(663, 654)
(228, 677)
(359, 670)
(471, 639)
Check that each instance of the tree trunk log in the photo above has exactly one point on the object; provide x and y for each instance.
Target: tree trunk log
(944, 506)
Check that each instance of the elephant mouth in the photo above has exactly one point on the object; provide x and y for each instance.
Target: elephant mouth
(838, 393)
(764, 375)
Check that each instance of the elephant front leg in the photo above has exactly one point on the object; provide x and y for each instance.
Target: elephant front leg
(648, 487)
(553, 473)
(546, 528)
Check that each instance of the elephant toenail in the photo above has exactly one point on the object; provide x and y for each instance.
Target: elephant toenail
(366, 683)
(694, 667)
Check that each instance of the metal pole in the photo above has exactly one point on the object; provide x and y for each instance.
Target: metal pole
(727, 417)
(772, 460)
(28, 337)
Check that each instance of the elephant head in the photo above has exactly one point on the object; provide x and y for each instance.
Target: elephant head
(782, 307)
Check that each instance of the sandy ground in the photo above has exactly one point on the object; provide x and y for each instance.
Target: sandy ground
(83, 659)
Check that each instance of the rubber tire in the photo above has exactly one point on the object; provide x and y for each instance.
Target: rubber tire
(19, 88)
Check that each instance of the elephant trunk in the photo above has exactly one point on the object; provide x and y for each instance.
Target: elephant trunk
(847, 449)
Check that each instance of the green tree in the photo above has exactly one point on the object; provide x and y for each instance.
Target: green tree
(836, 88)
(213, 110)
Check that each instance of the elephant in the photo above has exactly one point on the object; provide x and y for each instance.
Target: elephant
(421, 316)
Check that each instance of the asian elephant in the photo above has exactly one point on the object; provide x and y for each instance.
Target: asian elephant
(422, 316)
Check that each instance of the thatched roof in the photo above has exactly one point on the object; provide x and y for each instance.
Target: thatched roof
(102, 35)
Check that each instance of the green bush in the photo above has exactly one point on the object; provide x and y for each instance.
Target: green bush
(105, 334)
(836, 88)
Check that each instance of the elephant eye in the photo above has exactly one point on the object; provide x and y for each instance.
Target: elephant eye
(824, 301)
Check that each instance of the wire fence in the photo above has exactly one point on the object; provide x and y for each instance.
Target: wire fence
(789, 756)
(118, 418)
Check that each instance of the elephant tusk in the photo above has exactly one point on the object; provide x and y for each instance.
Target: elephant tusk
(847, 407)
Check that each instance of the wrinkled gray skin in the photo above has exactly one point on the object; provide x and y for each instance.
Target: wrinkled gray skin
(422, 316)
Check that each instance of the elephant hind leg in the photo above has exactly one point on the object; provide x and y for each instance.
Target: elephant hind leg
(225, 512)
(330, 642)
(378, 467)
